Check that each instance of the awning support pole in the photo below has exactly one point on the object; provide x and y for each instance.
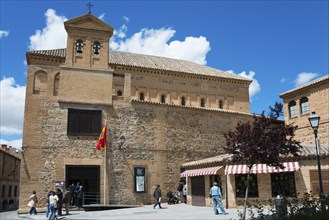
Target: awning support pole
(226, 194)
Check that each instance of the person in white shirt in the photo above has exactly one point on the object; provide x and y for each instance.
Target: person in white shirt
(53, 199)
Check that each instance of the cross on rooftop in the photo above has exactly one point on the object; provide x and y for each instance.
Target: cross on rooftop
(89, 6)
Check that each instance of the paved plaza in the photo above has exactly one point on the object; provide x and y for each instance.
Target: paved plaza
(169, 212)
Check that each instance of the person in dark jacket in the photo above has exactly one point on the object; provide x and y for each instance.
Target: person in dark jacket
(77, 188)
(157, 196)
(67, 200)
(72, 189)
(80, 197)
(59, 194)
(180, 191)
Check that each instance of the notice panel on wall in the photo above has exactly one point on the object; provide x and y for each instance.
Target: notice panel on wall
(140, 179)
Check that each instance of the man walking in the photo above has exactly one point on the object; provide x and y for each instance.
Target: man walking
(157, 196)
(67, 200)
(216, 197)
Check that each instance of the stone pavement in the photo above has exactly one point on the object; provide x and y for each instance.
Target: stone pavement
(169, 212)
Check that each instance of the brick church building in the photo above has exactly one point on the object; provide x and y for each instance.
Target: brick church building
(160, 113)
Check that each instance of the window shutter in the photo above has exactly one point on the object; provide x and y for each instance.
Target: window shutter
(73, 122)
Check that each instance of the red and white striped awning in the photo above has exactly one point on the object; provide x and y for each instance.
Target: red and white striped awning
(201, 172)
(261, 168)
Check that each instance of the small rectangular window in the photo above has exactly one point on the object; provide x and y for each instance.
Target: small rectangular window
(3, 191)
(293, 111)
(304, 108)
(283, 184)
(15, 191)
(10, 190)
(84, 122)
(140, 179)
(215, 178)
(241, 185)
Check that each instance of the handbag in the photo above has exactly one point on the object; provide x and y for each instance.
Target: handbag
(30, 204)
(55, 205)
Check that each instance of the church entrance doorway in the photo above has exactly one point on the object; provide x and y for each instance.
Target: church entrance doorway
(89, 177)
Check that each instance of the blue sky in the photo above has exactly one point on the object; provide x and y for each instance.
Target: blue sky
(278, 44)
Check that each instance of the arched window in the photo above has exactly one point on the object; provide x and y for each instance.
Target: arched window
(96, 47)
(304, 109)
(119, 93)
(183, 101)
(163, 98)
(141, 96)
(292, 109)
(56, 84)
(79, 46)
(40, 83)
(202, 102)
(221, 104)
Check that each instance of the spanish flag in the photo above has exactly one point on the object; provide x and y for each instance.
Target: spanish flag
(101, 144)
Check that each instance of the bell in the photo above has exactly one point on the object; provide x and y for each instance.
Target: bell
(97, 48)
(79, 47)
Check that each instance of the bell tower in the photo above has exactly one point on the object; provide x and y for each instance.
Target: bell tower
(87, 42)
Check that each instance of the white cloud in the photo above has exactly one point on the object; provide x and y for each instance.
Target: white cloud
(102, 17)
(125, 18)
(53, 36)
(156, 42)
(122, 31)
(14, 143)
(303, 78)
(282, 80)
(12, 107)
(3, 33)
(254, 86)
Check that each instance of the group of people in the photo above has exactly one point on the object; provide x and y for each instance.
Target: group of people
(215, 194)
(181, 192)
(57, 199)
(76, 195)
(73, 196)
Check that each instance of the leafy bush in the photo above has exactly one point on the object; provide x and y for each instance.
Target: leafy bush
(305, 208)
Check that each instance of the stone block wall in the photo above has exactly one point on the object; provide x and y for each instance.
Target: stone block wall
(158, 137)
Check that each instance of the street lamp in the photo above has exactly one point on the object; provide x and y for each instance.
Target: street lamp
(314, 121)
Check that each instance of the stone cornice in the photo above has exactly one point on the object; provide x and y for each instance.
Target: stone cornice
(84, 103)
(191, 107)
(178, 74)
(96, 70)
(42, 59)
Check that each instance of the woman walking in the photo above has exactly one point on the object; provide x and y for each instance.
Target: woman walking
(53, 199)
(33, 200)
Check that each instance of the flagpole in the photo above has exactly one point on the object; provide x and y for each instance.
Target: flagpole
(105, 176)
(105, 168)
